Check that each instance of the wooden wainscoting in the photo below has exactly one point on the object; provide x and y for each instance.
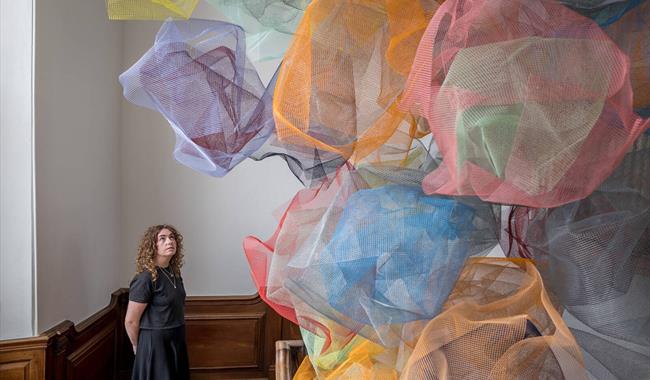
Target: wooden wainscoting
(22, 359)
(228, 338)
(233, 337)
(93, 348)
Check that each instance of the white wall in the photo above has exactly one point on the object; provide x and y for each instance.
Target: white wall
(214, 214)
(16, 170)
(104, 171)
(78, 56)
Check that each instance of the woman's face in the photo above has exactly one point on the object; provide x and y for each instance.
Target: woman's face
(166, 243)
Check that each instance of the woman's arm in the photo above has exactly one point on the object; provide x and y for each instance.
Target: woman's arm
(132, 321)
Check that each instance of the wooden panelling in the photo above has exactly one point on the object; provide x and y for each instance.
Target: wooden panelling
(227, 337)
(95, 359)
(240, 337)
(90, 350)
(22, 359)
(231, 337)
(15, 371)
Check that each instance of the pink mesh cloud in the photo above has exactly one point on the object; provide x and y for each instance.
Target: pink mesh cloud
(523, 100)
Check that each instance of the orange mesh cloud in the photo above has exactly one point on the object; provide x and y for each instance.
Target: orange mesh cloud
(498, 323)
(338, 87)
(149, 9)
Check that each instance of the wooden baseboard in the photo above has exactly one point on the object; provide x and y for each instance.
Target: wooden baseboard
(228, 337)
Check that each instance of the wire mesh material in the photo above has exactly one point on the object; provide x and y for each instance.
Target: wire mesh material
(608, 359)
(149, 9)
(311, 166)
(632, 35)
(297, 234)
(371, 260)
(198, 77)
(278, 15)
(366, 360)
(341, 77)
(393, 257)
(594, 257)
(529, 103)
(603, 12)
(337, 352)
(498, 323)
(522, 98)
(269, 24)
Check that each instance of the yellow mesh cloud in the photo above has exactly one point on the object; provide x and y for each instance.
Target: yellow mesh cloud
(149, 9)
(362, 362)
(336, 352)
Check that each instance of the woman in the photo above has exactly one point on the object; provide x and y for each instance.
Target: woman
(155, 317)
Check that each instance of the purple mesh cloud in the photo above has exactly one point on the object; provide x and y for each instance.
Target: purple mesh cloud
(198, 77)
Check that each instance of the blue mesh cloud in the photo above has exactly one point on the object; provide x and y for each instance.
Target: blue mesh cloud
(603, 12)
(394, 257)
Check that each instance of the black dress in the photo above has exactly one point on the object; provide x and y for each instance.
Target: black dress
(162, 348)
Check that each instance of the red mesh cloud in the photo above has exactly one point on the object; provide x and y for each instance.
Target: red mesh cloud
(529, 102)
(296, 230)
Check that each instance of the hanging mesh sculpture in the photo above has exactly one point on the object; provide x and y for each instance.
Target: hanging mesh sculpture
(393, 259)
(377, 276)
(297, 235)
(198, 77)
(309, 220)
(311, 166)
(336, 352)
(607, 359)
(279, 15)
(269, 24)
(594, 256)
(360, 363)
(530, 104)
(522, 98)
(498, 323)
(340, 79)
(149, 9)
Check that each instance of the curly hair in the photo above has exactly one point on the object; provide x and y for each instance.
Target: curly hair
(147, 251)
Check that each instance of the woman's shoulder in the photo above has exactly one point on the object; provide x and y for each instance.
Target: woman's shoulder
(144, 276)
